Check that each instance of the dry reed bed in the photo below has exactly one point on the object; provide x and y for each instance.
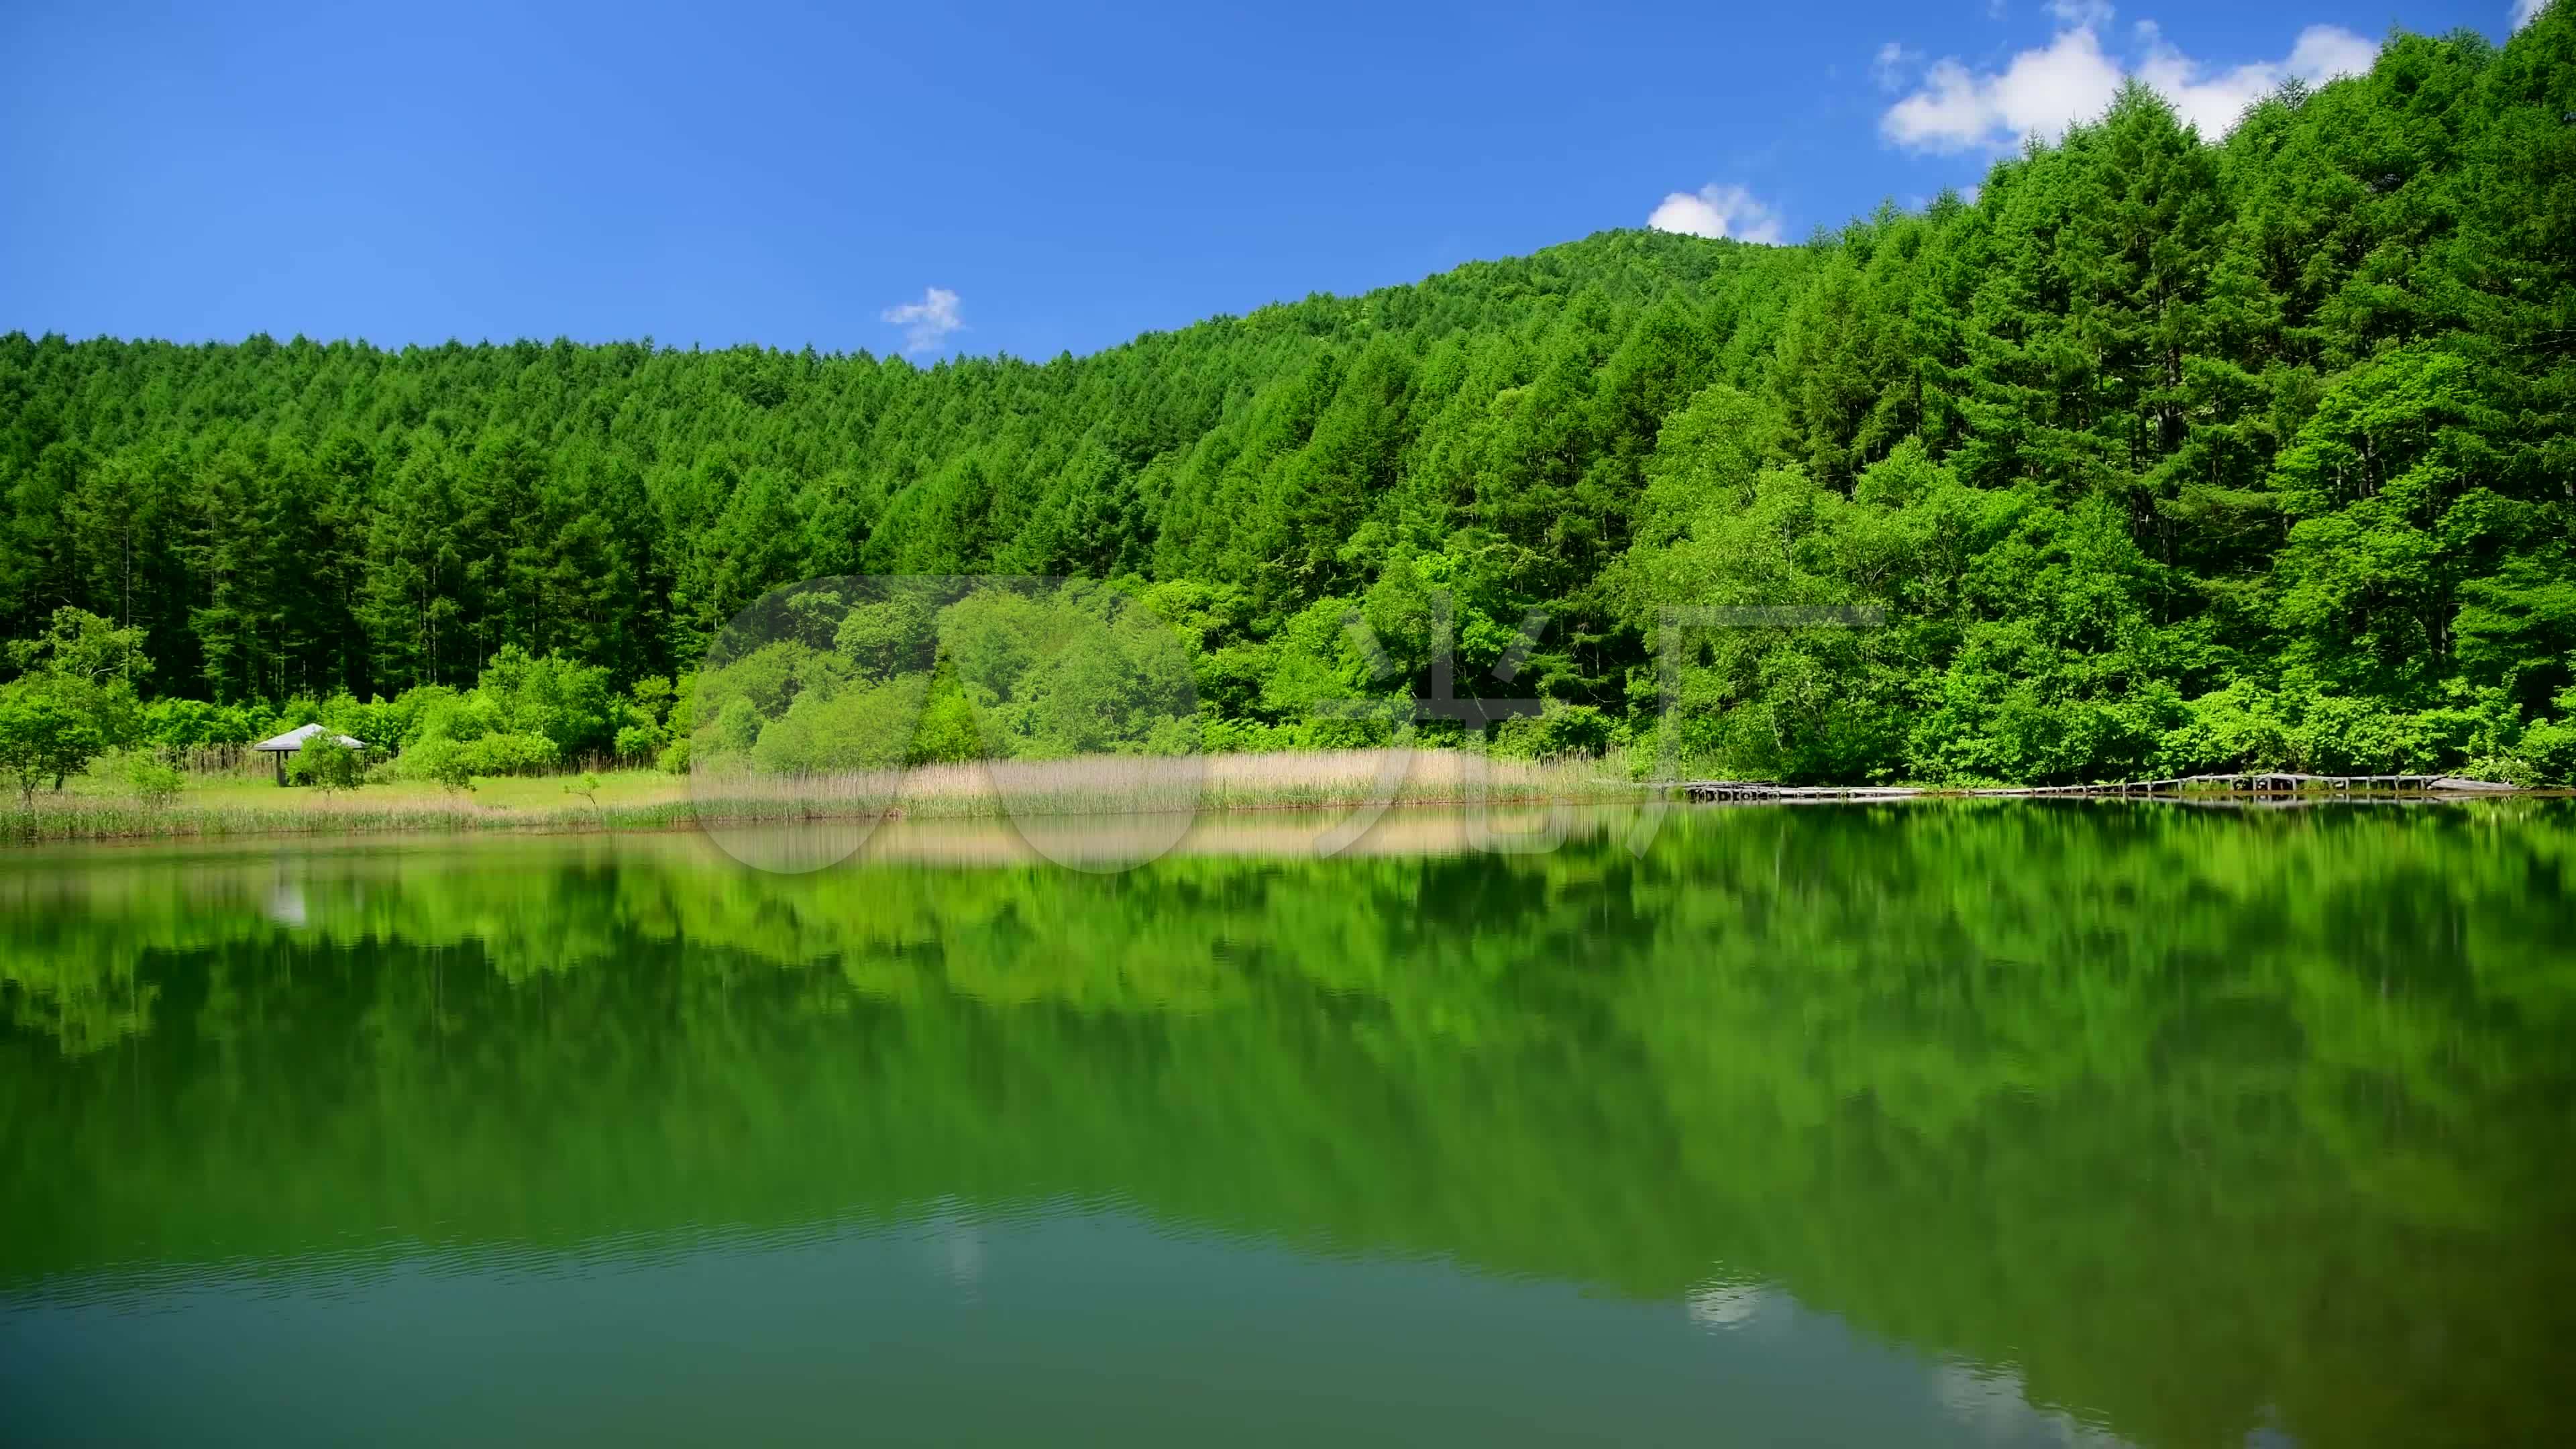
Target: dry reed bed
(1112, 785)
(1100, 785)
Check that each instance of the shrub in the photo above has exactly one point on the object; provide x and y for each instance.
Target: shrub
(569, 704)
(860, 728)
(1559, 729)
(947, 732)
(638, 742)
(185, 724)
(736, 729)
(442, 762)
(2239, 727)
(44, 735)
(88, 667)
(153, 782)
(652, 696)
(325, 762)
(585, 785)
(510, 754)
(383, 725)
(2550, 748)
(1219, 735)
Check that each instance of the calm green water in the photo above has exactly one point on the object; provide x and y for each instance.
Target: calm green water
(1977, 1125)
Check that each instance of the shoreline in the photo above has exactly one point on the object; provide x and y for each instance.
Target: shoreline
(635, 802)
(650, 821)
(126, 823)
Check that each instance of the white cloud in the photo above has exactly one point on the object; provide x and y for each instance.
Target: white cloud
(1892, 64)
(2526, 11)
(2213, 99)
(1714, 210)
(927, 323)
(2042, 92)
(1996, 1406)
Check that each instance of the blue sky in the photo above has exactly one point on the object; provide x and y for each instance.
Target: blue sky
(1000, 178)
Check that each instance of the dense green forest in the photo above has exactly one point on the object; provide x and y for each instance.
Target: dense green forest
(2159, 454)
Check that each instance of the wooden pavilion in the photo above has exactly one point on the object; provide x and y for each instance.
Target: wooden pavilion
(278, 747)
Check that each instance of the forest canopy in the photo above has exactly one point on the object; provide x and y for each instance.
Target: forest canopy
(2164, 452)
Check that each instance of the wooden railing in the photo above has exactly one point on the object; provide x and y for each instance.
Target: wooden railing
(2266, 782)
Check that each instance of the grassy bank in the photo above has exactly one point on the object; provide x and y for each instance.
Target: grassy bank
(235, 805)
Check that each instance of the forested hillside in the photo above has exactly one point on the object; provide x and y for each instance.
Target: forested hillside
(2159, 454)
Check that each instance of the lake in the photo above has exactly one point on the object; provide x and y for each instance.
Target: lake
(1998, 1123)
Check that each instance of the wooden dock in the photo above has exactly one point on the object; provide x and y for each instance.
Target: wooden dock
(2260, 783)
